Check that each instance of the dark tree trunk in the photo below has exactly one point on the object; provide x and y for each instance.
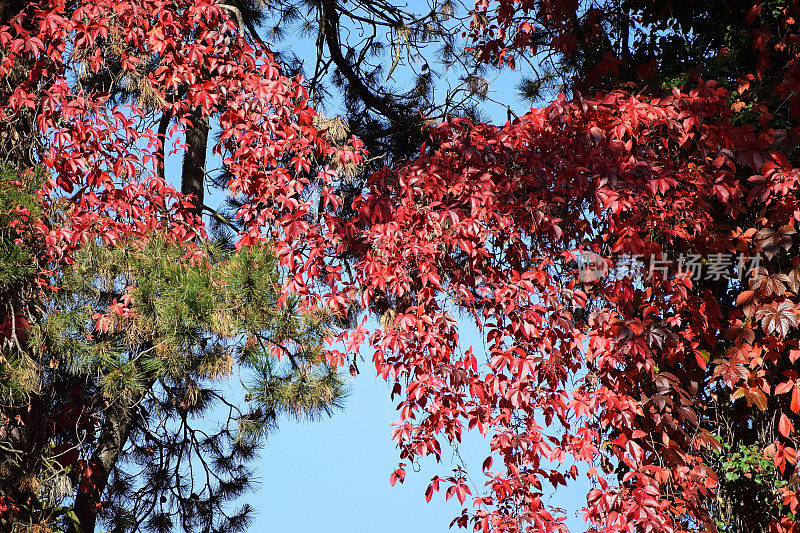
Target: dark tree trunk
(194, 161)
(626, 69)
(163, 124)
(114, 434)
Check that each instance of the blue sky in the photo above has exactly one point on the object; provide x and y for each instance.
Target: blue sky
(333, 475)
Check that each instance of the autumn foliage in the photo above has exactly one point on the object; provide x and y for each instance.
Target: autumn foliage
(82, 83)
(677, 396)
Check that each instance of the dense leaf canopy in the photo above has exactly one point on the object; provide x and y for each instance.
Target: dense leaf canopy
(672, 387)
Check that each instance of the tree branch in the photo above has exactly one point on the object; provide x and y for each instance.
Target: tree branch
(330, 28)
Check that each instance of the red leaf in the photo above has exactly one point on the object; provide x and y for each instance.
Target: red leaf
(785, 425)
(795, 406)
(397, 475)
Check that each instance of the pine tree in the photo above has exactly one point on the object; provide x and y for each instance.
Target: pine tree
(112, 369)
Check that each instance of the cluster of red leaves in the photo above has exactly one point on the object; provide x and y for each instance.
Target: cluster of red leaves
(600, 374)
(92, 145)
(104, 158)
(7, 507)
(612, 378)
(503, 29)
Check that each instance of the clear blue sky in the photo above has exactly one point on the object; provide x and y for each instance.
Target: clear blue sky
(333, 475)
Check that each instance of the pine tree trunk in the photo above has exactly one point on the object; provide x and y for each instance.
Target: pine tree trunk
(163, 124)
(194, 161)
(114, 433)
(113, 436)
